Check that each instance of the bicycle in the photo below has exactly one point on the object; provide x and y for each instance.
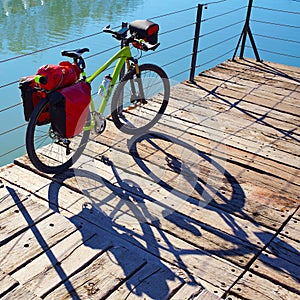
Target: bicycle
(138, 101)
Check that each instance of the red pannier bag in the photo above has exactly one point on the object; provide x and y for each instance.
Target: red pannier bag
(57, 76)
(31, 95)
(69, 108)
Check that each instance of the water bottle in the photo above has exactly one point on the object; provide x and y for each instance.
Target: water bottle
(103, 89)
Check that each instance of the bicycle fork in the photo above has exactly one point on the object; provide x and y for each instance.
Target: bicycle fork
(137, 97)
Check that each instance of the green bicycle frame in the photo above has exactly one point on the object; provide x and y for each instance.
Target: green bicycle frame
(122, 55)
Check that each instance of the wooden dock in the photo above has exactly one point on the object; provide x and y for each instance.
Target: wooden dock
(205, 206)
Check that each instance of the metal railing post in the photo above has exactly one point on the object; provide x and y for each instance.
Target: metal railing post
(243, 36)
(196, 42)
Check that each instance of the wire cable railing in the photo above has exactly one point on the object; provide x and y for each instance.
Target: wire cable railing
(213, 48)
(286, 26)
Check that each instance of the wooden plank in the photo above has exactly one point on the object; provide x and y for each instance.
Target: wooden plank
(277, 98)
(292, 229)
(153, 281)
(284, 72)
(285, 248)
(209, 239)
(34, 241)
(241, 107)
(232, 117)
(278, 270)
(193, 291)
(68, 201)
(210, 224)
(7, 201)
(272, 67)
(297, 213)
(20, 293)
(16, 220)
(187, 125)
(147, 210)
(205, 237)
(253, 75)
(233, 72)
(252, 286)
(7, 283)
(61, 261)
(245, 136)
(237, 101)
(103, 276)
(248, 103)
(155, 192)
(271, 180)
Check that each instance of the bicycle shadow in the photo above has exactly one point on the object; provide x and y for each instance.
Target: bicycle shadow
(132, 201)
(130, 196)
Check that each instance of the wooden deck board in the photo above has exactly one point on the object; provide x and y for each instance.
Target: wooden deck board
(206, 206)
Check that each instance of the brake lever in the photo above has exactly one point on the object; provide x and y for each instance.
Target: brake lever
(107, 29)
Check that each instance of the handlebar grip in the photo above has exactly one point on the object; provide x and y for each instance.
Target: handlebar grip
(39, 79)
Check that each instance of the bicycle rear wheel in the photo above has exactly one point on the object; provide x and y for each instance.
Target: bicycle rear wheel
(48, 151)
(139, 101)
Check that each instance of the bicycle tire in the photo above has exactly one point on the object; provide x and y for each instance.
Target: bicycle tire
(132, 113)
(44, 151)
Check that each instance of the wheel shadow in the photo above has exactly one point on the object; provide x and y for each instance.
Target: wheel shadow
(208, 193)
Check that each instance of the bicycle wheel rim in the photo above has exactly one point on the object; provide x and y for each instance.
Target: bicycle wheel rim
(46, 150)
(134, 112)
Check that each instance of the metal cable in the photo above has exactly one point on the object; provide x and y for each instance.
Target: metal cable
(180, 73)
(277, 10)
(8, 84)
(277, 38)
(13, 129)
(176, 60)
(12, 150)
(51, 47)
(216, 58)
(276, 24)
(173, 13)
(10, 107)
(178, 28)
(221, 28)
(216, 44)
(277, 53)
(225, 13)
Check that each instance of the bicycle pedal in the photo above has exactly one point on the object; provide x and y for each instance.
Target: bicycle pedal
(106, 160)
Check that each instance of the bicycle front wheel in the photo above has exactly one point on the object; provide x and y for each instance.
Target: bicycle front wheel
(47, 150)
(140, 100)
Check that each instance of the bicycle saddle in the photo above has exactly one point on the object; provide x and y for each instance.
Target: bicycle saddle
(74, 53)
